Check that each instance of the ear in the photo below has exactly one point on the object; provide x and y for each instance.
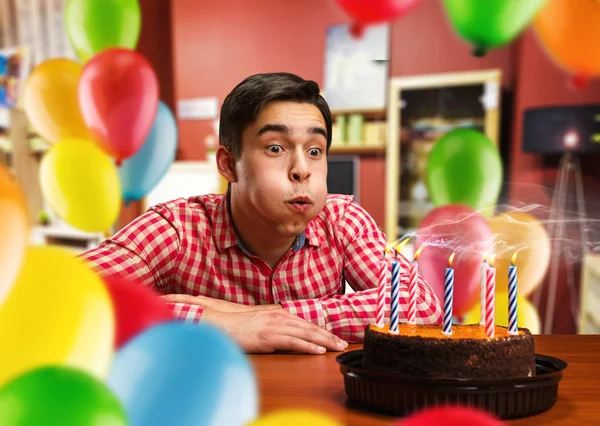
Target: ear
(226, 164)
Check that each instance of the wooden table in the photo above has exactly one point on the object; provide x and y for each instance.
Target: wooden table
(315, 382)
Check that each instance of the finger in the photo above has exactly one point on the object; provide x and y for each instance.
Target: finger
(324, 337)
(182, 298)
(282, 342)
(313, 335)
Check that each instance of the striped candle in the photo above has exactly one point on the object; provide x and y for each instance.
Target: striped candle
(512, 298)
(411, 317)
(381, 290)
(490, 299)
(482, 291)
(448, 297)
(395, 298)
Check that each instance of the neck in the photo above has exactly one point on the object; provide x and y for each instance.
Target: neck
(257, 238)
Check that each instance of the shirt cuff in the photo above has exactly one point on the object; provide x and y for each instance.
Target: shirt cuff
(186, 312)
(307, 309)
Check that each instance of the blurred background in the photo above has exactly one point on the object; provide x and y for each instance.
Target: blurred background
(436, 105)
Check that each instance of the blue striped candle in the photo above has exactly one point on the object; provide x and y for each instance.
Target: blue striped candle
(512, 298)
(395, 297)
(448, 297)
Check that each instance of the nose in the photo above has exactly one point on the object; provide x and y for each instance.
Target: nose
(299, 170)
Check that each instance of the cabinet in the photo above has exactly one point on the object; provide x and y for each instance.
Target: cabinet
(420, 110)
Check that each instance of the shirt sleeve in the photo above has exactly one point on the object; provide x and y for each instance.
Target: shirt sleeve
(348, 315)
(145, 250)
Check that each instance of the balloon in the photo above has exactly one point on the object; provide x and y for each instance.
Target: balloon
(118, 97)
(374, 11)
(459, 229)
(518, 231)
(140, 173)
(137, 307)
(526, 312)
(50, 100)
(180, 373)
(58, 312)
(568, 30)
(56, 395)
(95, 25)
(464, 167)
(491, 23)
(81, 184)
(451, 416)
(295, 418)
(14, 230)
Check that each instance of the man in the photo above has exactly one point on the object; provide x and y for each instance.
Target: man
(267, 261)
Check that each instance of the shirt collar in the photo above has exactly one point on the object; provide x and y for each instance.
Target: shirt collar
(226, 237)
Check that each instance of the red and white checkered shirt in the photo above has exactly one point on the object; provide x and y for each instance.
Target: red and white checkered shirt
(190, 246)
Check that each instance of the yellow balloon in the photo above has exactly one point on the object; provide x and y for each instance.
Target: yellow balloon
(517, 231)
(58, 312)
(527, 315)
(51, 102)
(295, 418)
(81, 183)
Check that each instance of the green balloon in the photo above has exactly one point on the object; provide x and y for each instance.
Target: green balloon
(59, 396)
(464, 167)
(96, 25)
(490, 23)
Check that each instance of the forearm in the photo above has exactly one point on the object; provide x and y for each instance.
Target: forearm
(348, 315)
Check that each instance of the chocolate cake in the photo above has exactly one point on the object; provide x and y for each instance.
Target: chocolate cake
(423, 351)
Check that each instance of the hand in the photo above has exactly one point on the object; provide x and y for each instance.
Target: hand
(270, 330)
(215, 304)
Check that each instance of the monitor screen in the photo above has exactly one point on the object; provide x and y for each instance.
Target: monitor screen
(342, 175)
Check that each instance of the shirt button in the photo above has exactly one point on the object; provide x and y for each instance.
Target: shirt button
(275, 276)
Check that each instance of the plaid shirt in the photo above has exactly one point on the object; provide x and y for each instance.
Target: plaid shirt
(190, 246)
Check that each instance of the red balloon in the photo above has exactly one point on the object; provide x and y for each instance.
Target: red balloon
(137, 307)
(451, 416)
(118, 97)
(374, 11)
(460, 229)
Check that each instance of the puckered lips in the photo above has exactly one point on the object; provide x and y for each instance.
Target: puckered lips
(300, 203)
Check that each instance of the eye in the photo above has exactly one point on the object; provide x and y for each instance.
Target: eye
(315, 152)
(274, 149)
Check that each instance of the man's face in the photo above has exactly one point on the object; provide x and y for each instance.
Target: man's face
(282, 170)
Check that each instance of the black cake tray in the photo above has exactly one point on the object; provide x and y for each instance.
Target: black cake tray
(400, 396)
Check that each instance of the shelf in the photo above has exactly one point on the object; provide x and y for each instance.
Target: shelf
(368, 112)
(357, 149)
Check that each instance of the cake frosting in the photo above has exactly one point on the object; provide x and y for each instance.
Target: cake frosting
(423, 351)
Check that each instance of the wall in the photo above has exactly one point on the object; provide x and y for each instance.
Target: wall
(539, 82)
(218, 44)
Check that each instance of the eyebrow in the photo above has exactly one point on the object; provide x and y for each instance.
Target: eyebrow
(282, 128)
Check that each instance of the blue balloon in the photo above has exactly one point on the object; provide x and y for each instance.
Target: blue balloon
(140, 173)
(184, 374)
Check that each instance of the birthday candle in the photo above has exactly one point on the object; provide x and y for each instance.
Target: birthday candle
(512, 297)
(412, 288)
(448, 296)
(482, 290)
(395, 298)
(490, 299)
(381, 290)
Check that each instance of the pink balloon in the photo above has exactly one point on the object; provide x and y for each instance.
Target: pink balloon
(460, 229)
(451, 416)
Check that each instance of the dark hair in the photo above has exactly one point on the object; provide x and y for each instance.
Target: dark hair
(244, 104)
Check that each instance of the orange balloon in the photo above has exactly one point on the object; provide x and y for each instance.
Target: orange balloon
(51, 103)
(522, 233)
(14, 230)
(570, 32)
